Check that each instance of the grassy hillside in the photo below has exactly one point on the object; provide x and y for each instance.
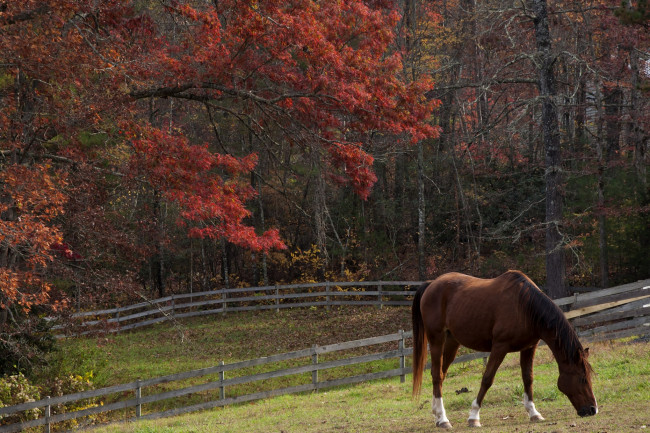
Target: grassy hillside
(621, 386)
(202, 342)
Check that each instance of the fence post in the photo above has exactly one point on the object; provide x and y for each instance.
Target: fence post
(222, 388)
(48, 414)
(277, 299)
(380, 298)
(138, 396)
(402, 357)
(223, 302)
(327, 295)
(314, 362)
(575, 301)
(173, 306)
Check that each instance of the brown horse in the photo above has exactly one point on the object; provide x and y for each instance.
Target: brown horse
(505, 314)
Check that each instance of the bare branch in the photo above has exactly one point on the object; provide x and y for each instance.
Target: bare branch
(21, 16)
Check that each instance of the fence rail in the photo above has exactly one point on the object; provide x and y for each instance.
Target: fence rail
(616, 317)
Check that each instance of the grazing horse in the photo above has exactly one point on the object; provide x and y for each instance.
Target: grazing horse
(501, 315)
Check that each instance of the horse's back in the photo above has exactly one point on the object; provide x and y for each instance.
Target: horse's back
(453, 290)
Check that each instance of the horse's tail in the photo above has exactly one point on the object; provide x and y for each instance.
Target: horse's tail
(419, 341)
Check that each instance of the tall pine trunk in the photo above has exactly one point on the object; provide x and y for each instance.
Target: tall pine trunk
(411, 25)
(555, 278)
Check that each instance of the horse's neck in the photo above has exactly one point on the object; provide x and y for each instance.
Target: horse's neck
(553, 343)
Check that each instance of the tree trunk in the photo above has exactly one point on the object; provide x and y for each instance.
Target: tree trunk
(319, 207)
(602, 228)
(634, 132)
(613, 98)
(159, 260)
(581, 114)
(421, 215)
(265, 275)
(410, 24)
(555, 278)
(225, 271)
(600, 205)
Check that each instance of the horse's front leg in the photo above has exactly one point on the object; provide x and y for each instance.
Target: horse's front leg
(526, 361)
(436, 344)
(494, 361)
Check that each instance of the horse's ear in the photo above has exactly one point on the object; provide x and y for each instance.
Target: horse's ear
(587, 352)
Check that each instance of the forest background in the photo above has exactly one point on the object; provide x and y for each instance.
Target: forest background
(151, 147)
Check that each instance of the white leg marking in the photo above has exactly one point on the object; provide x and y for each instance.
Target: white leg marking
(474, 419)
(530, 408)
(474, 411)
(438, 410)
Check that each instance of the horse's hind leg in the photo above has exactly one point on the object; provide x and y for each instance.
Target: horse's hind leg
(436, 345)
(449, 353)
(526, 361)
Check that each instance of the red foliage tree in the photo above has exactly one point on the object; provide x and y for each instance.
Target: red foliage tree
(317, 73)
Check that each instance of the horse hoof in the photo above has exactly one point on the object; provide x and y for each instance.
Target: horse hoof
(445, 425)
(536, 418)
(473, 423)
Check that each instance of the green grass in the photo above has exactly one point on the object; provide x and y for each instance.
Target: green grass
(621, 384)
(203, 342)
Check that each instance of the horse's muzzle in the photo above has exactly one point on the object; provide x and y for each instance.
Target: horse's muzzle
(588, 411)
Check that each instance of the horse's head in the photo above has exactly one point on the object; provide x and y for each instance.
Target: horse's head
(575, 382)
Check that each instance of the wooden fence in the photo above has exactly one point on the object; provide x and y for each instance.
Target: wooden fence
(611, 313)
(603, 315)
(325, 295)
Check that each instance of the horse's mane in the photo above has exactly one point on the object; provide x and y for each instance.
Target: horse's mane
(544, 314)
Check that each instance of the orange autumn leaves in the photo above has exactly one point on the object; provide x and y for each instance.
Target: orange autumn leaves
(31, 198)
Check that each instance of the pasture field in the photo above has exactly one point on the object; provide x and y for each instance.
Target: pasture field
(201, 342)
(622, 384)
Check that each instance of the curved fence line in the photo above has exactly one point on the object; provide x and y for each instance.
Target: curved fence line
(326, 294)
